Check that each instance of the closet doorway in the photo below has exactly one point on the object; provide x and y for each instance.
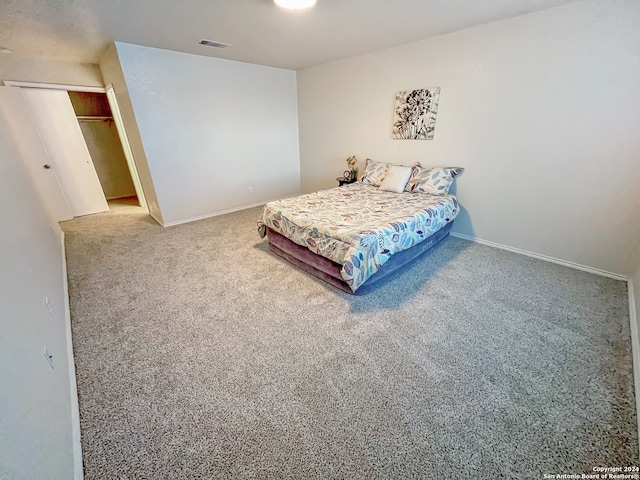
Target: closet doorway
(100, 131)
(98, 128)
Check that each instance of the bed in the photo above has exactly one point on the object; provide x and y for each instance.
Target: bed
(359, 236)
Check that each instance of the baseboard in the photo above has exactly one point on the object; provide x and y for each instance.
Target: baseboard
(546, 258)
(635, 347)
(78, 471)
(156, 219)
(215, 214)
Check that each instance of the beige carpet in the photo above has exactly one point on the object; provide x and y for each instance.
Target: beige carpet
(201, 355)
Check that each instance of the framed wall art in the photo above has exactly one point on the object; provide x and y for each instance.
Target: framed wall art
(415, 114)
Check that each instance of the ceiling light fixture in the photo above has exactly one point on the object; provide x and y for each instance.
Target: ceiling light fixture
(295, 4)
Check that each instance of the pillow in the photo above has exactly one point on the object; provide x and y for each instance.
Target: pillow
(396, 178)
(433, 180)
(374, 172)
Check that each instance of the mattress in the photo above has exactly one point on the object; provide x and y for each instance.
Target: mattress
(358, 226)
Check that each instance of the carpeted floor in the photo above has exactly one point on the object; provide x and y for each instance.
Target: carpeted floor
(199, 354)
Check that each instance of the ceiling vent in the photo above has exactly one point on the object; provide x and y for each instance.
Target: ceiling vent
(211, 43)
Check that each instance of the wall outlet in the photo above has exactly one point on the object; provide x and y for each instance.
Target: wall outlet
(48, 357)
(251, 189)
(46, 302)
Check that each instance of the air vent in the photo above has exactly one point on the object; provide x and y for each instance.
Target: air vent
(211, 43)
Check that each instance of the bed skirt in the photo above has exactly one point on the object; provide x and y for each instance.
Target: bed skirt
(329, 271)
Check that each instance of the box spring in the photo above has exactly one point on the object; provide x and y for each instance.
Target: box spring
(329, 271)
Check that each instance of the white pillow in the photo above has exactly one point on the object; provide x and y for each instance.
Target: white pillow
(396, 178)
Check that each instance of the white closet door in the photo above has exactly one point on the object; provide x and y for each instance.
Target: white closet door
(69, 156)
(23, 134)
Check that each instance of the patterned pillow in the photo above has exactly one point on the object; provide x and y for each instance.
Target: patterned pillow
(433, 180)
(374, 172)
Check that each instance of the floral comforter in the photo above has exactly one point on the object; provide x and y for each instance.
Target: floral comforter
(358, 226)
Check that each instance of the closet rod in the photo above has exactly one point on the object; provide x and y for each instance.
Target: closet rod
(90, 118)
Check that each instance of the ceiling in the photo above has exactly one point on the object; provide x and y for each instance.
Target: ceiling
(258, 31)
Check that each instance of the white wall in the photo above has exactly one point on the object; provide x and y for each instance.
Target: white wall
(112, 74)
(541, 110)
(211, 128)
(39, 426)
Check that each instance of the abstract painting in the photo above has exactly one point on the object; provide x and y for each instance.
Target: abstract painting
(415, 114)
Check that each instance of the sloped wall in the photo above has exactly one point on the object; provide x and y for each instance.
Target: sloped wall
(218, 135)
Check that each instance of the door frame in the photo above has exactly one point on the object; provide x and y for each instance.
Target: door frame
(126, 146)
(117, 117)
(54, 86)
